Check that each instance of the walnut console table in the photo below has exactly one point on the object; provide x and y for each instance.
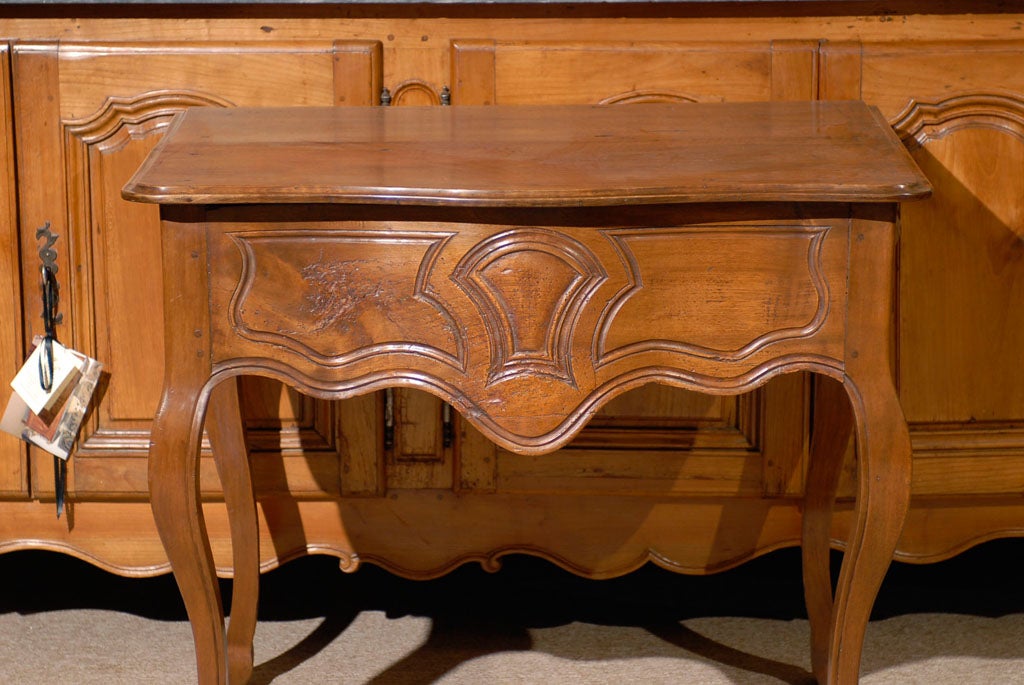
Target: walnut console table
(527, 264)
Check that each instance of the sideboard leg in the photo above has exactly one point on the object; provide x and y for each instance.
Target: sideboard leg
(830, 437)
(883, 497)
(174, 493)
(230, 453)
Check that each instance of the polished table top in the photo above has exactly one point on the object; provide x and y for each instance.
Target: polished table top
(480, 156)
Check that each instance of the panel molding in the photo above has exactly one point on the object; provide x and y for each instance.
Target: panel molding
(643, 96)
(416, 92)
(136, 116)
(921, 122)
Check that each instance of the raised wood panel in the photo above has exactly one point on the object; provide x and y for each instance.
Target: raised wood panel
(894, 75)
(962, 280)
(251, 75)
(419, 458)
(113, 102)
(538, 72)
(13, 464)
(959, 107)
(656, 439)
(358, 72)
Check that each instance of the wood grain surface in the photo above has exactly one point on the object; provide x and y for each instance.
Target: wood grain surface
(658, 153)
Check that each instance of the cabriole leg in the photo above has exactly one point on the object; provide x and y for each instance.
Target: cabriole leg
(230, 453)
(174, 493)
(833, 427)
(883, 497)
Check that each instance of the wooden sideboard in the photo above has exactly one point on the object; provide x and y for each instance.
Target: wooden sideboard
(86, 96)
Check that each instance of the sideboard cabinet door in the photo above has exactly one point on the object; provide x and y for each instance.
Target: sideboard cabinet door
(87, 116)
(959, 108)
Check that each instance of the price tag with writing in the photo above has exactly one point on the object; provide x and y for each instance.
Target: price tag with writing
(56, 427)
(47, 377)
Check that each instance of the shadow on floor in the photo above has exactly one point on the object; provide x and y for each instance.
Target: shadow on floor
(474, 613)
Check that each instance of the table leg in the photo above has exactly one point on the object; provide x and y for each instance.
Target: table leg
(883, 497)
(230, 453)
(883, 456)
(174, 493)
(833, 427)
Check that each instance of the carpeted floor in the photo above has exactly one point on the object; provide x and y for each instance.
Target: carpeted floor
(958, 622)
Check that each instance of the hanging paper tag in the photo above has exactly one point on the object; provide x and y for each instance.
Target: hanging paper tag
(47, 377)
(56, 429)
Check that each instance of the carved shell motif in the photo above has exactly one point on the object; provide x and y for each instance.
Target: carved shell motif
(530, 285)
